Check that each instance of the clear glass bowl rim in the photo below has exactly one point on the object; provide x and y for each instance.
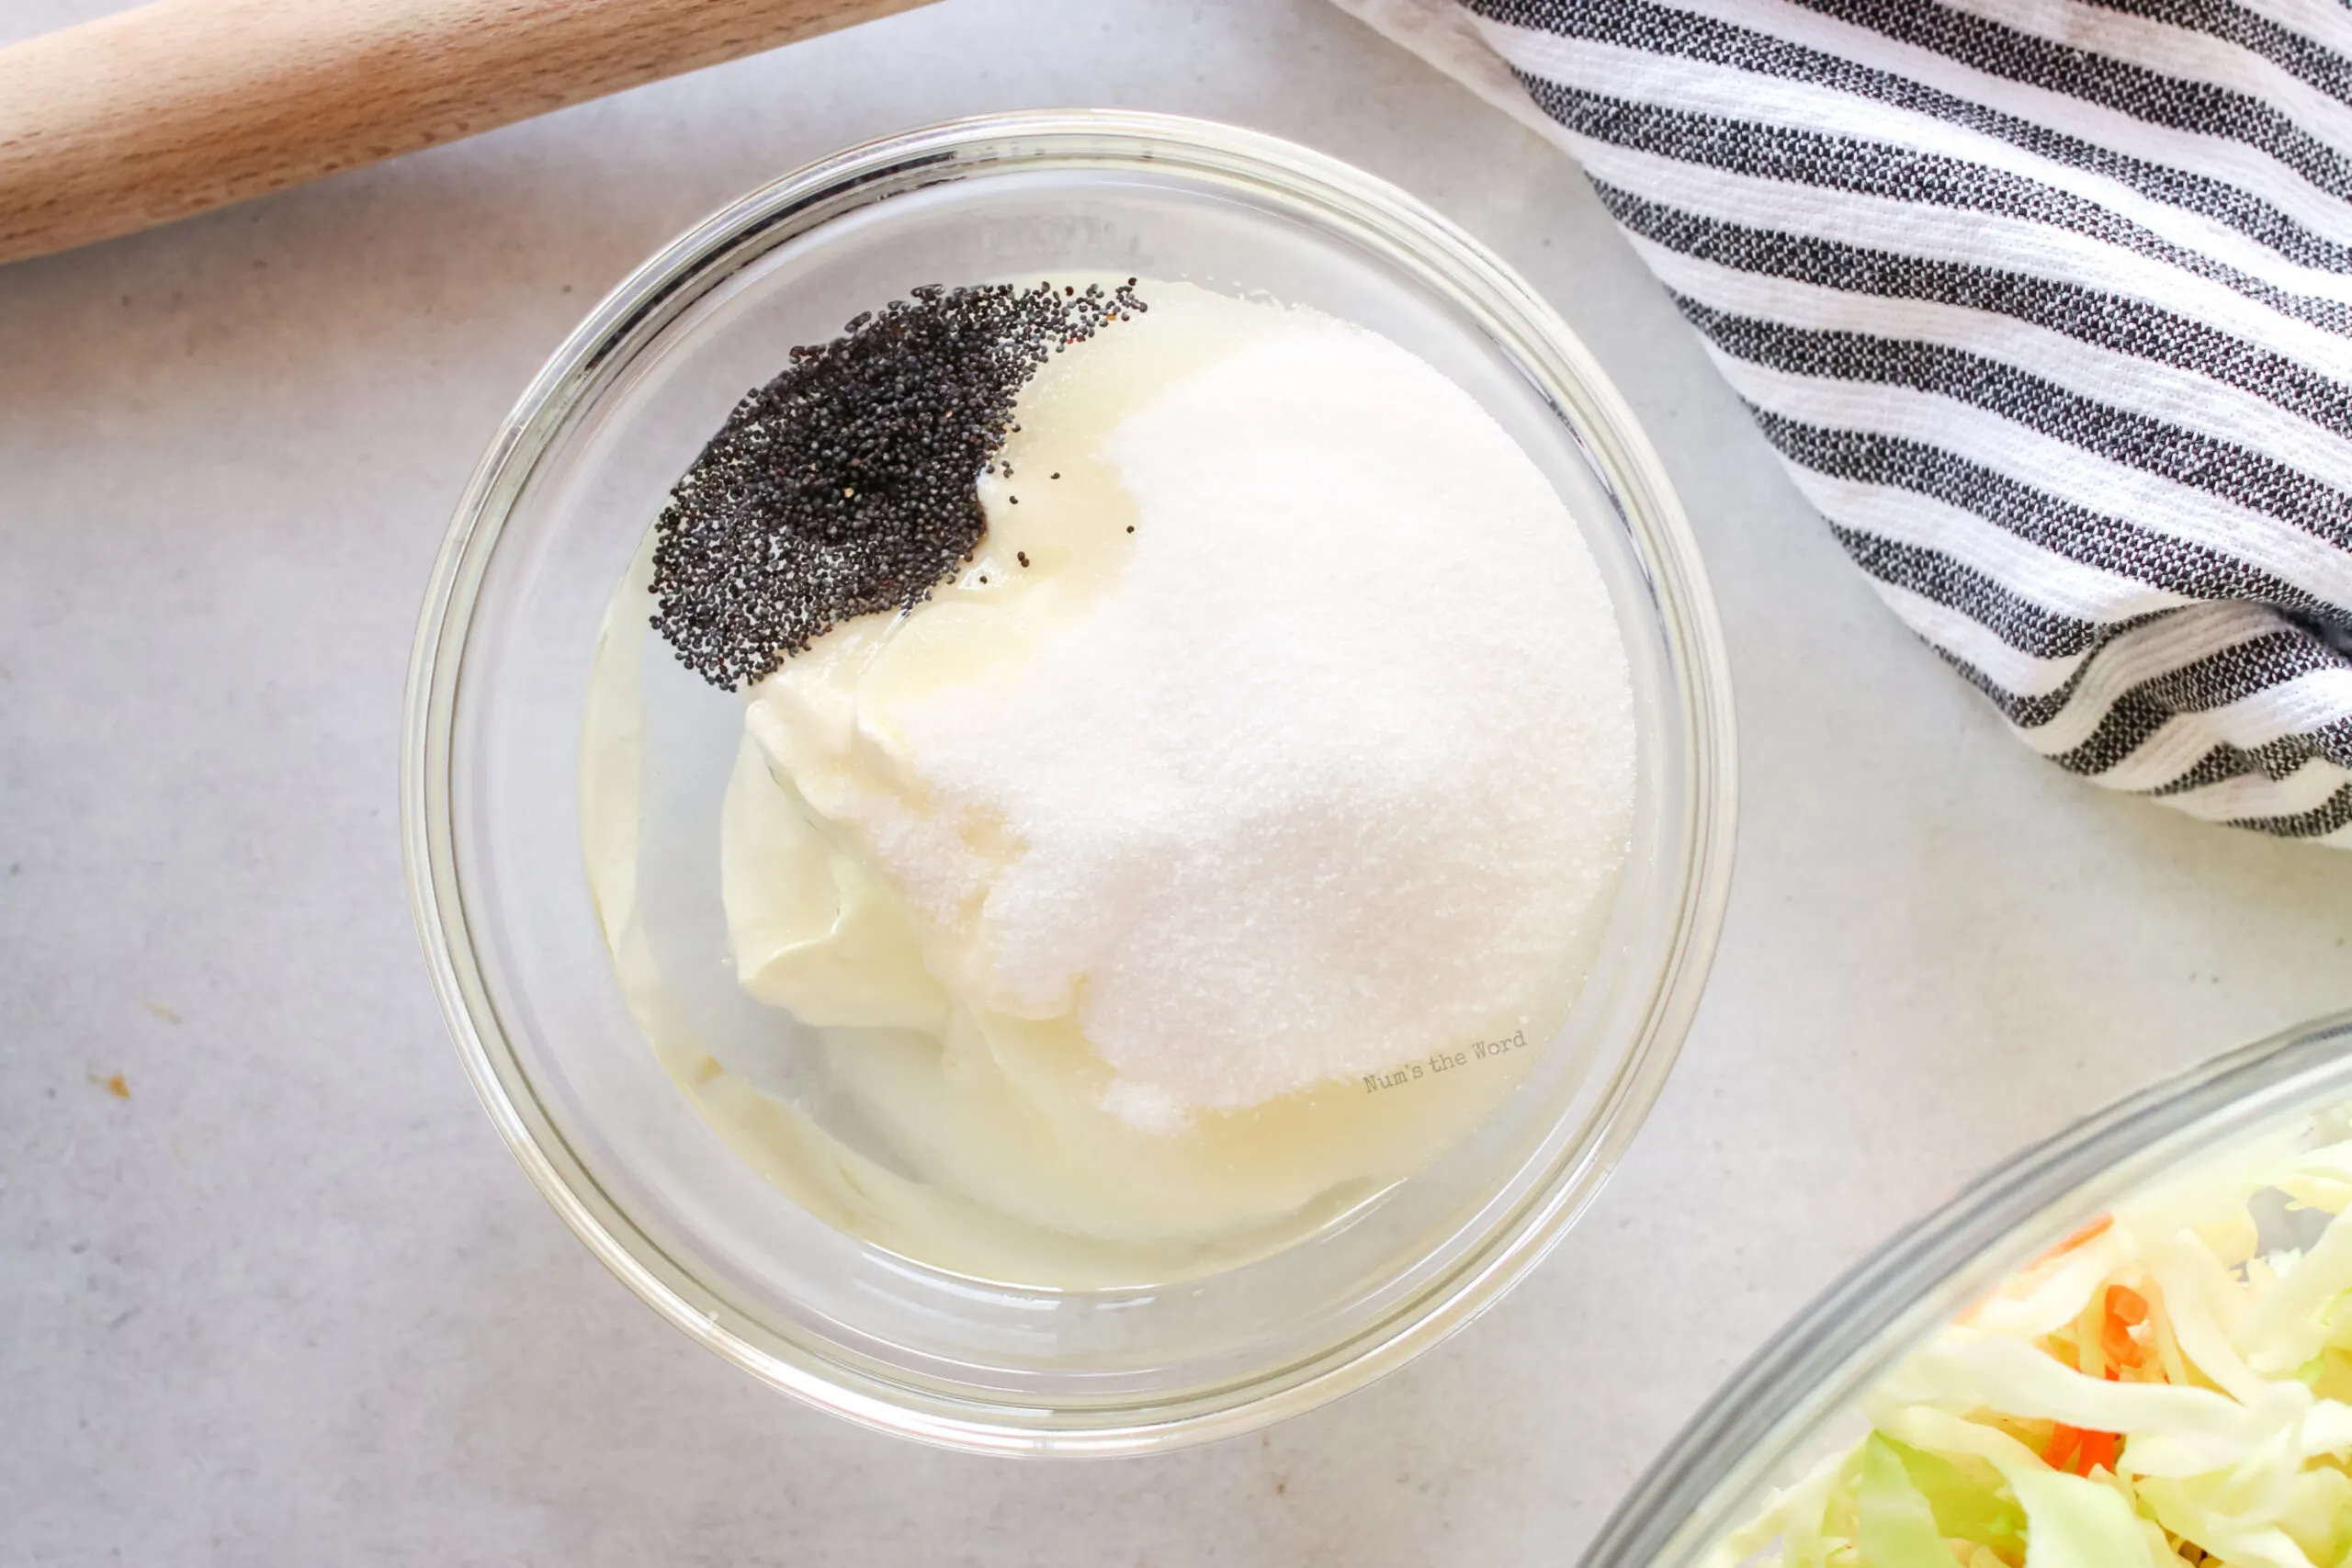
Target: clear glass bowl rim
(1408, 235)
(1754, 1427)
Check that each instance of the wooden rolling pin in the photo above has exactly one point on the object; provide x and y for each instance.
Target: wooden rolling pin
(181, 105)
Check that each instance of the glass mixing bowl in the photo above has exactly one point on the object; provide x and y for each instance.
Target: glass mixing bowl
(491, 797)
(1798, 1401)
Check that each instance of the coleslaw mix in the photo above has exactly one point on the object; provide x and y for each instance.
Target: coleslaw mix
(2172, 1385)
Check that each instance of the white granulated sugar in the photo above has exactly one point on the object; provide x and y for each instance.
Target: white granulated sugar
(1338, 771)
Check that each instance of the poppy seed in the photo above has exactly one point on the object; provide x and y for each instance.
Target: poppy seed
(848, 484)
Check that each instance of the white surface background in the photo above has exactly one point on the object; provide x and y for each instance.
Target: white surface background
(291, 1302)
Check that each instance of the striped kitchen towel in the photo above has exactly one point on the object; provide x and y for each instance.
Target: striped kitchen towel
(2046, 304)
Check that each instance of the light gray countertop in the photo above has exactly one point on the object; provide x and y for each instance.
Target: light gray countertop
(290, 1302)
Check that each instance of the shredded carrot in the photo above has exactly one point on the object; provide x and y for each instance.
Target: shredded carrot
(2078, 1452)
(2126, 1310)
(2089, 1233)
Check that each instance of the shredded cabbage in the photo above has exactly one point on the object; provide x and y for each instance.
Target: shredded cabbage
(2169, 1389)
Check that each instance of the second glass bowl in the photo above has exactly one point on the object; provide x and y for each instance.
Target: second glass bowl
(1802, 1401)
(492, 795)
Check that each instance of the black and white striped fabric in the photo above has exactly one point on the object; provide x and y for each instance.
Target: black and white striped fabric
(2048, 306)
